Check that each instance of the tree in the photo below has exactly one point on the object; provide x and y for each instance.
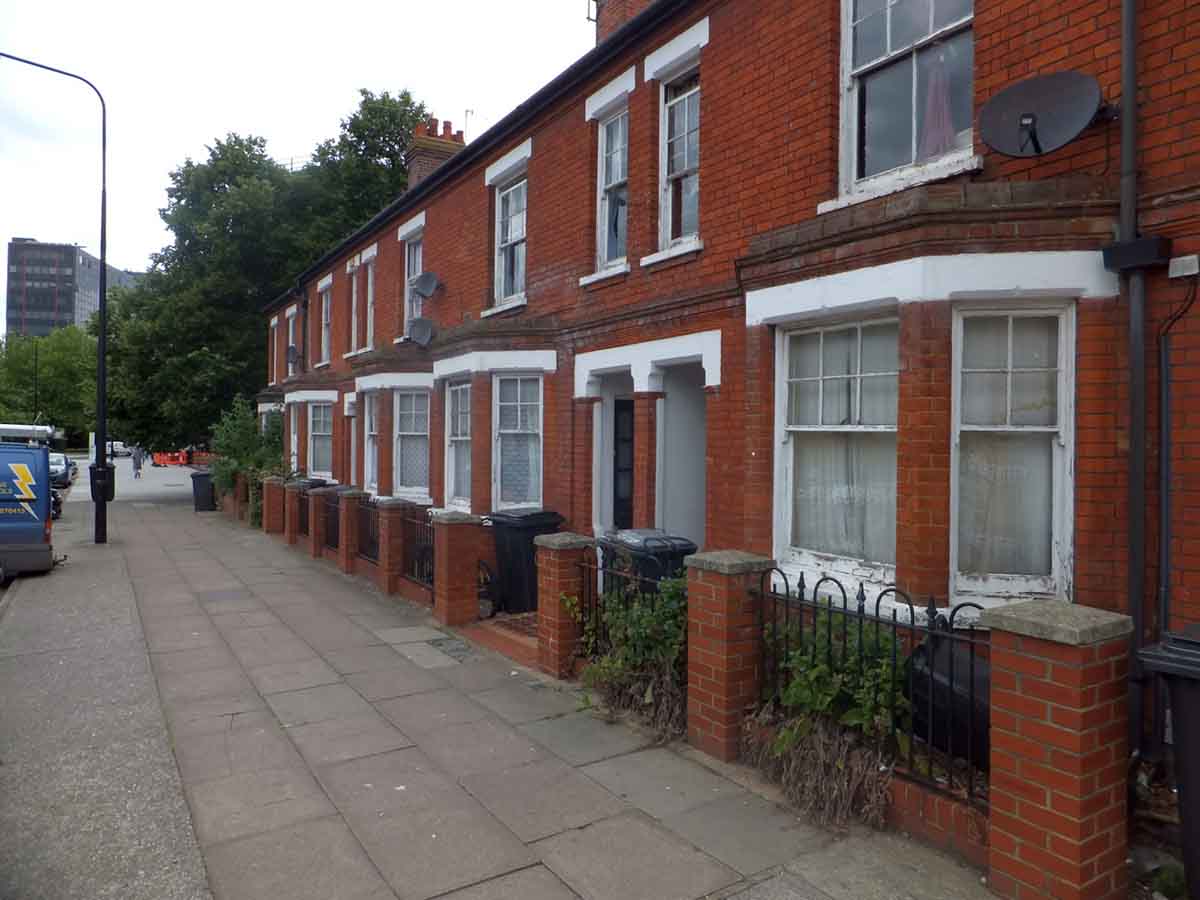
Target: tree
(189, 338)
(50, 380)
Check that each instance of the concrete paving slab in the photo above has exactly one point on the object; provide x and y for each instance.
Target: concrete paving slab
(660, 782)
(336, 634)
(476, 747)
(178, 662)
(399, 681)
(527, 701)
(316, 860)
(536, 883)
(250, 744)
(211, 713)
(226, 601)
(337, 740)
(884, 866)
(784, 886)
(255, 618)
(254, 802)
(542, 798)
(185, 687)
(352, 660)
(316, 704)
(411, 635)
(480, 674)
(183, 633)
(426, 656)
(628, 856)
(747, 833)
(293, 676)
(263, 646)
(585, 737)
(150, 612)
(423, 831)
(422, 713)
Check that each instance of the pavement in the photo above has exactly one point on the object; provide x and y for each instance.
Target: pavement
(196, 710)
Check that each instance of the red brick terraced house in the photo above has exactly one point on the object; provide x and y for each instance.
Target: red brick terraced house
(747, 272)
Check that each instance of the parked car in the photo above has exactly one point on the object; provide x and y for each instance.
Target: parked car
(118, 448)
(60, 470)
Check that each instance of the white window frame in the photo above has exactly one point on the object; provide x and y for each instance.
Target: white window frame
(793, 559)
(684, 242)
(320, 473)
(998, 589)
(414, 252)
(517, 297)
(371, 442)
(352, 273)
(416, 494)
(293, 438)
(497, 473)
(274, 350)
(291, 342)
(854, 189)
(326, 333)
(369, 344)
(454, 498)
(603, 263)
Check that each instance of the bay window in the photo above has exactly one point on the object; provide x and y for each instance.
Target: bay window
(1013, 443)
(371, 441)
(680, 211)
(458, 445)
(518, 439)
(909, 68)
(320, 439)
(510, 242)
(614, 191)
(411, 444)
(842, 388)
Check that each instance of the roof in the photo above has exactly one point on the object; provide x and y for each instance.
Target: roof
(495, 137)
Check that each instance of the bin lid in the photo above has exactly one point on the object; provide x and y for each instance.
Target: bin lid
(650, 540)
(531, 517)
(1176, 654)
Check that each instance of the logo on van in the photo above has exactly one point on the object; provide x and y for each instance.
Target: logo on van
(24, 481)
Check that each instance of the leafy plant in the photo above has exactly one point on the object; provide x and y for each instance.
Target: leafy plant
(243, 447)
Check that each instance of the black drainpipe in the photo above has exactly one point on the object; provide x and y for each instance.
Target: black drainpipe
(1135, 292)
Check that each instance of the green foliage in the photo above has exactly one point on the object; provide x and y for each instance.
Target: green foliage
(851, 679)
(1170, 882)
(63, 364)
(190, 337)
(242, 447)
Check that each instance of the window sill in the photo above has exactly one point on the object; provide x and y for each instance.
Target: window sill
(412, 497)
(321, 365)
(903, 179)
(403, 339)
(463, 506)
(682, 248)
(359, 352)
(605, 274)
(327, 477)
(517, 301)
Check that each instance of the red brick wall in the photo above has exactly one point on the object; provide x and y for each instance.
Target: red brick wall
(612, 14)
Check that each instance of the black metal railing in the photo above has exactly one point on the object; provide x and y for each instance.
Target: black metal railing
(914, 680)
(332, 521)
(368, 529)
(613, 579)
(418, 544)
(302, 516)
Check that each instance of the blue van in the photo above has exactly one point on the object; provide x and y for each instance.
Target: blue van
(25, 518)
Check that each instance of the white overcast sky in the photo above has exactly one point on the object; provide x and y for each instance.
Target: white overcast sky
(178, 75)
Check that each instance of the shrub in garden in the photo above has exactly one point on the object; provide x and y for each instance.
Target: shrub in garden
(242, 446)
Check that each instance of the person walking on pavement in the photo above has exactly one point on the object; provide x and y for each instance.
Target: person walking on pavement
(137, 462)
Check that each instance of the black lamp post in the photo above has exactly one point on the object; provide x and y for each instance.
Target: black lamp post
(101, 477)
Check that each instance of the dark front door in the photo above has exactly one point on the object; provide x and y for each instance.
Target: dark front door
(623, 464)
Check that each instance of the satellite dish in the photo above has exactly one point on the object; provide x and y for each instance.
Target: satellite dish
(1041, 114)
(420, 332)
(425, 284)
(293, 355)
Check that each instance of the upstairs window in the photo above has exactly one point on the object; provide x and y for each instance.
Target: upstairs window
(681, 153)
(510, 243)
(352, 271)
(370, 341)
(911, 70)
(326, 324)
(458, 449)
(614, 190)
(414, 266)
(412, 443)
(291, 344)
(273, 353)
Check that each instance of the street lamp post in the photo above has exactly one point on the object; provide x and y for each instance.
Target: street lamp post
(100, 473)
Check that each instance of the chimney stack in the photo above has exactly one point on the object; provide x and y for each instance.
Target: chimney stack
(427, 150)
(612, 14)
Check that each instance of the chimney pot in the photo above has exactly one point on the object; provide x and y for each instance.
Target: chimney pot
(446, 129)
(433, 127)
(458, 136)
